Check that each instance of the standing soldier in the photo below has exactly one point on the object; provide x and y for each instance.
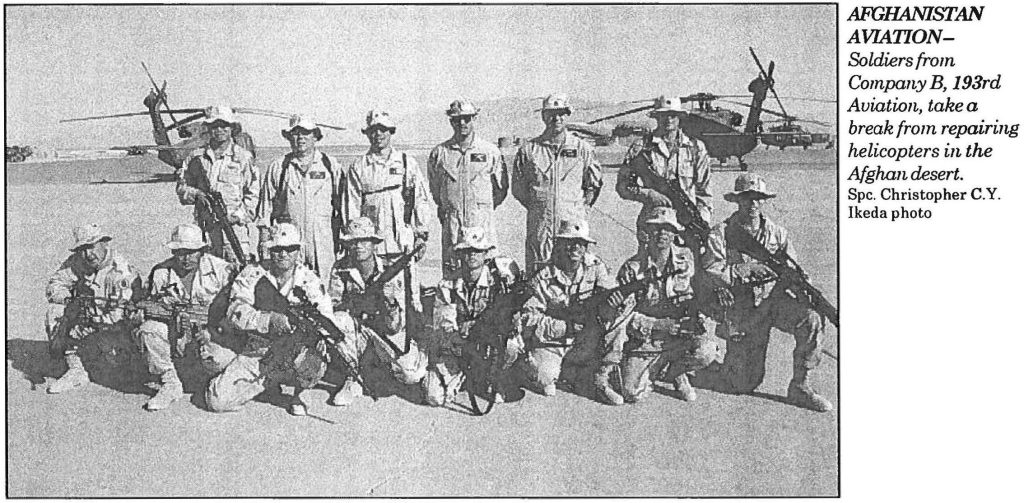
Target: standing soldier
(458, 305)
(555, 176)
(759, 307)
(559, 345)
(665, 328)
(374, 315)
(386, 186)
(276, 352)
(670, 154)
(82, 297)
(468, 180)
(190, 276)
(305, 188)
(228, 168)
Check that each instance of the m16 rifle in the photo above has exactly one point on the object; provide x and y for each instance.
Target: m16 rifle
(486, 343)
(185, 320)
(367, 304)
(696, 228)
(219, 213)
(586, 310)
(304, 317)
(787, 270)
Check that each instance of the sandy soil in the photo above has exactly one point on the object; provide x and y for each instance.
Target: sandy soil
(98, 441)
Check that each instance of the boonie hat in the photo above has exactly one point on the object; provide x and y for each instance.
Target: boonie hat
(749, 183)
(573, 228)
(557, 101)
(473, 238)
(187, 237)
(379, 118)
(220, 113)
(361, 228)
(663, 215)
(303, 122)
(283, 235)
(462, 108)
(88, 235)
(667, 105)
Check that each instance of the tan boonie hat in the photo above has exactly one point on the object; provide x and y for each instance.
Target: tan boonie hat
(573, 228)
(360, 229)
(462, 108)
(557, 101)
(749, 183)
(187, 237)
(663, 215)
(667, 105)
(378, 118)
(473, 238)
(220, 113)
(302, 122)
(283, 235)
(88, 235)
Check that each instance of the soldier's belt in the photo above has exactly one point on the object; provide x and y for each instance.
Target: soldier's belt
(382, 189)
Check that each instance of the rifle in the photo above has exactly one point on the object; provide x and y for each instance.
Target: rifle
(219, 211)
(494, 322)
(368, 308)
(785, 268)
(184, 318)
(696, 228)
(78, 311)
(304, 317)
(587, 308)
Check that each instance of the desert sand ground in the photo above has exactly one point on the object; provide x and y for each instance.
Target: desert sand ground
(98, 441)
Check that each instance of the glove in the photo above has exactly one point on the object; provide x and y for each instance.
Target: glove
(278, 325)
(137, 317)
(752, 271)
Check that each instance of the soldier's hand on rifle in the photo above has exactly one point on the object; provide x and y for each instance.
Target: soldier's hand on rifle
(667, 325)
(79, 332)
(203, 337)
(655, 198)
(724, 297)
(136, 317)
(421, 239)
(751, 272)
(278, 325)
(202, 202)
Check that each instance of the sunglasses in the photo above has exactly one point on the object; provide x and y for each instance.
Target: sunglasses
(283, 249)
(301, 132)
(461, 119)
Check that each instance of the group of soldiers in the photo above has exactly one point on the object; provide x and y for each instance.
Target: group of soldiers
(262, 256)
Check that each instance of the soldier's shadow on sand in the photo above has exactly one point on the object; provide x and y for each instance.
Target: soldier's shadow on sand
(109, 364)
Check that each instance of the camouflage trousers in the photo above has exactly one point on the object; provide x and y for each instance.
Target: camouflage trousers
(154, 342)
(747, 328)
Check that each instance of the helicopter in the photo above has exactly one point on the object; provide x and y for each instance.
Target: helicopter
(717, 127)
(189, 129)
(788, 134)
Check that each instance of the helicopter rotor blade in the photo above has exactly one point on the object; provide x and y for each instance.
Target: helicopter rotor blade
(768, 76)
(620, 114)
(162, 91)
(280, 115)
(198, 115)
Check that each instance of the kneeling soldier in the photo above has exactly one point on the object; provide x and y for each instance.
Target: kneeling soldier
(83, 298)
(372, 308)
(276, 352)
(664, 329)
(562, 341)
(190, 277)
(457, 309)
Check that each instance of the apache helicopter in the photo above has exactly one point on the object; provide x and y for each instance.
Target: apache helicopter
(190, 129)
(718, 127)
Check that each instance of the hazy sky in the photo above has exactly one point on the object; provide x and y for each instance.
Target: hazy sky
(338, 61)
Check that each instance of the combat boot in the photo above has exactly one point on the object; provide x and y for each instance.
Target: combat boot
(73, 378)
(347, 393)
(169, 392)
(803, 395)
(683, 387)
(603, 389)
(296, 406)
